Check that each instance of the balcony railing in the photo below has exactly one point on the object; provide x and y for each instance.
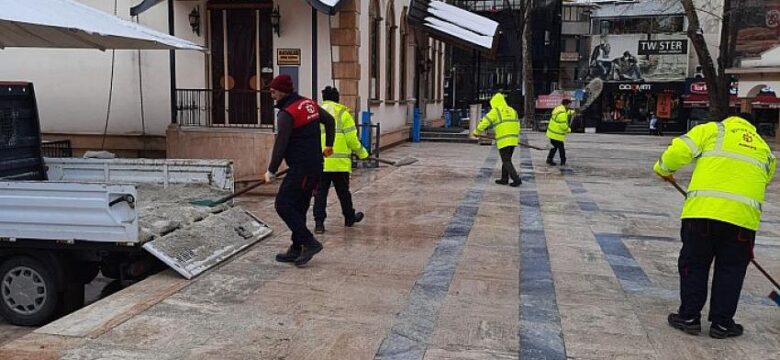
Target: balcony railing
(224, 108)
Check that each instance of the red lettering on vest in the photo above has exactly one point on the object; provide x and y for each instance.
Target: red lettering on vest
(303, 112)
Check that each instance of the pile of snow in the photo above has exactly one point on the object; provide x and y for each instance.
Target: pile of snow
(461, 24)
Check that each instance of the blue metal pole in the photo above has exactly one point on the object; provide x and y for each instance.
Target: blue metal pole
(365, 129)
(416, 126)
(447, 118)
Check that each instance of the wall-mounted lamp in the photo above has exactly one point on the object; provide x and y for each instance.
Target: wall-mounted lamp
(276, 20)
(195, 20)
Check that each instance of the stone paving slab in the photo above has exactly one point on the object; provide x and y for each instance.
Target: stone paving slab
(577, 263)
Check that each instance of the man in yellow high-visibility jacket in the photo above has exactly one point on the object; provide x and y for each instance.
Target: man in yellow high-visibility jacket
(557, 129)
(503, 118)
(721, 214)
(339, 165)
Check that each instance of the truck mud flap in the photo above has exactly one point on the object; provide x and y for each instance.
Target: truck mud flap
(195, 248)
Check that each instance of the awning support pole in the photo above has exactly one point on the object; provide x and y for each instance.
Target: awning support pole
(172, 60)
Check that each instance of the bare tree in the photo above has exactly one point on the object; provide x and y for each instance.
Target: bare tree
(528, 64)
(718, 82)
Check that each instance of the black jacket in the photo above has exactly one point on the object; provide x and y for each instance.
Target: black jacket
(300, 147)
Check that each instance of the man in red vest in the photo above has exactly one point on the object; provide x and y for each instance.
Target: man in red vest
(298, 143)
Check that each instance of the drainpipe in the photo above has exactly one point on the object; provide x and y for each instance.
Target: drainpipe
(172, 60)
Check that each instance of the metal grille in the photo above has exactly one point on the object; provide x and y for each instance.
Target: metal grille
(225, 108)
(56, 149)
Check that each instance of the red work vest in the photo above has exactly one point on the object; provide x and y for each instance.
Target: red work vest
(303, 112)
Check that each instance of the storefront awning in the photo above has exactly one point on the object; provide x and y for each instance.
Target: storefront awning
(73, 25)
(454, 25)
(330, 7)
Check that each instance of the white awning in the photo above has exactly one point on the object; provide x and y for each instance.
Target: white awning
(73, 25)
(330, 7)
(454, 25)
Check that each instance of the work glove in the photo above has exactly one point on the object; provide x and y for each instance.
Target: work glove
(667, 178)
(327, 151)
(269, 177)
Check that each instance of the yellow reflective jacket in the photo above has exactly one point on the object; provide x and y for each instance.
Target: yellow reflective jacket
(346, 141)
(558, 127)
(733, 168)
(504, 119)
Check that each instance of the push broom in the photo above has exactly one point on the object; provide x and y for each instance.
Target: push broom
(774, 295)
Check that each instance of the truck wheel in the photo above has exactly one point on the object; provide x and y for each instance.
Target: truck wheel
(28, 291)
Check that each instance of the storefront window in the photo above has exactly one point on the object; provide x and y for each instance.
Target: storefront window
(374, 46)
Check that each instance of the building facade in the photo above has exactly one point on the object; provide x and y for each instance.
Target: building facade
(364, 47)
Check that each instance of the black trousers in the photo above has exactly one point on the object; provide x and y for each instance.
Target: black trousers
(340, 181)
(293, 200)
(557, 145)
(731, 247)
(507, 168)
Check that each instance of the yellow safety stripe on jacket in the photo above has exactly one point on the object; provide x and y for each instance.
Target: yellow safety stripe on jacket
(341, 156)
(718, 152)
(728, 196)
(662, 166)
(506, 137)
(338, 120)
(556, 132)
(501, 120)
(691, 145)
(349, 130)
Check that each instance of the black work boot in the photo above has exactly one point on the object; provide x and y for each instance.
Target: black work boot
(689, 326)
(292, 253)
(516, 183)
(551, 163)
(348, 222)
(725, 330)
(308, 252)
(319, 228)
(502, 181)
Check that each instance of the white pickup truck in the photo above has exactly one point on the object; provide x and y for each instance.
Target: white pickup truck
(63, 220)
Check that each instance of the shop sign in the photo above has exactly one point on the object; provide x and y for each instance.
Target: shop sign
(663, 47)
(635, 87)
(288, 57)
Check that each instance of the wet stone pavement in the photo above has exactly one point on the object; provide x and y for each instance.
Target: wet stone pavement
(579, 263)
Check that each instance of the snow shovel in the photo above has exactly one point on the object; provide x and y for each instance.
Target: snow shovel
(488, 137)
(406, 160)
(774, 295)
(212, 203)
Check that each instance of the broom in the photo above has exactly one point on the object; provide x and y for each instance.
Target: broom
(215, 202)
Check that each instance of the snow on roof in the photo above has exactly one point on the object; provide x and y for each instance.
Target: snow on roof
(440, 18)
(613, 9)
(329, 7)
(70, 24)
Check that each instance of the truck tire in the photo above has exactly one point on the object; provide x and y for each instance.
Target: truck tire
(29, 291)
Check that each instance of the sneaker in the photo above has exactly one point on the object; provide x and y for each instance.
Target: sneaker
(516, 184)
(689, 326)
(502, 181)
(308, 252)
(319, 228)
(292, 253)
(551, 163)
(722, 331)
(356, 219)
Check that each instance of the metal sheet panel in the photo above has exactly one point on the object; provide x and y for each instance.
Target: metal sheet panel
(216, 173)
(194, 249)
(67, 211)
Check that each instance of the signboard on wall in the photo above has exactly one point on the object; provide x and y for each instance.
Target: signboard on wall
(633, 57)
(285, 57)
(663, 47)
(758, 28)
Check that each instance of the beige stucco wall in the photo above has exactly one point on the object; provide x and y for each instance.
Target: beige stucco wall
(247, 148)
(72, 86)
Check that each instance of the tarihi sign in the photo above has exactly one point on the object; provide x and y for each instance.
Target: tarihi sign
(663, 47)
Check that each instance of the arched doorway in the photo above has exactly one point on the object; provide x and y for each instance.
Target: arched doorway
(762, 101)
